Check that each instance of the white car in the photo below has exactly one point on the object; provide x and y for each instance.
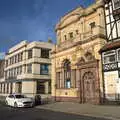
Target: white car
(18, 100)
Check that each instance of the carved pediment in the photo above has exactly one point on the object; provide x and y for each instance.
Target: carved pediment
(89, 56)
(68, 20)
(81, 60)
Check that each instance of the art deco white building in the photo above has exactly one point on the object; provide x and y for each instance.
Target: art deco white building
(28, 68)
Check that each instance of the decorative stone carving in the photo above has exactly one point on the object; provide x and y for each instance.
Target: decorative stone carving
(89, 56)
(81, 60)
(74, 57)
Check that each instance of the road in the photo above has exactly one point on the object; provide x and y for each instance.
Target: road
(9, 113)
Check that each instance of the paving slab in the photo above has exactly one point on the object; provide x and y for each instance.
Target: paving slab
(106, 111)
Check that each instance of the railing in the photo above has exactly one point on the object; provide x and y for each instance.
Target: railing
(110, 66)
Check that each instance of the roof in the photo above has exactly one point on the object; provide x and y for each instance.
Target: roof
(109, 46)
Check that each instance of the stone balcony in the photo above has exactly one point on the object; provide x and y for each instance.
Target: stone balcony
(33, 76)
(96, 32)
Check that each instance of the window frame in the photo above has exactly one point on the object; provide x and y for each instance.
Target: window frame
(113, 3)
(45, 55)
(71, 36)
(41, 69)
(105, 54)
(30, 53)
(29, 71)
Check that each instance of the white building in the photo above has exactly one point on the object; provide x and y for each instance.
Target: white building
(28, 68)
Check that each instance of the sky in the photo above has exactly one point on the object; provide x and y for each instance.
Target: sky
(32, 19)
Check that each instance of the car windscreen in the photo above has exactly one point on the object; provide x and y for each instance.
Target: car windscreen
(19, 96)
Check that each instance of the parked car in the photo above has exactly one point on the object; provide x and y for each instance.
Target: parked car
(18, 100)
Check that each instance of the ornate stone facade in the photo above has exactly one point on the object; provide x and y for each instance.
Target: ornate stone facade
(76, 62)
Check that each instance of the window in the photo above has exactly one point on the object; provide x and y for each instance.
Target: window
(110, 57)
(18, 57)
(118, 27)
(65, 37)
(58, 76)
(7, 88)
(21, 56)
(10, 61)
(29, 54)
(44, 69)
(67, 74)
(68, 83)
(44, 53)
(15, 58)
(116, 4)
(92, 25)
(20, 70)
(17, 70)
(77, 32)
(6, 63)
(119, 55)
(29, 68)
(14, 72)
(71, 34)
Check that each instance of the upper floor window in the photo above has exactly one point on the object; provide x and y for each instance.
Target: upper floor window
(20, 70)
(119, 55)
(65, 37)
(29, 54)
(15, 58)
(110, 57)
(21, 56)
(12, 60)
(44, 53)
(71, 34)
(6, 63)
(44, 69)
(77, 32)
(116, 4)
(92, 25)
(18, 57)
(29, 68)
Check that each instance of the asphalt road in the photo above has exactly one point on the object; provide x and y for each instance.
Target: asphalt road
(9, 113)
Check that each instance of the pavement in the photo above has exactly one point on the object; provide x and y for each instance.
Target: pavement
(105, 111)
(10, 113)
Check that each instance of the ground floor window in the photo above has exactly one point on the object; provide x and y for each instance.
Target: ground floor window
(58, 76)
(4, 88)
(68, 83)
(1, 88)
(7, 88)
(40, 88)
(11, 87)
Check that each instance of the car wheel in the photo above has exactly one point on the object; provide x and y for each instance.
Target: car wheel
(15, 105)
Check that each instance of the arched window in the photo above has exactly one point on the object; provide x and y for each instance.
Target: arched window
(67, 74)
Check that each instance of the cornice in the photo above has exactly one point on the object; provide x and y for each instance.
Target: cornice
(81, 42)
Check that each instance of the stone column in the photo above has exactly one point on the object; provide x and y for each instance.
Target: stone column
(5, 87)
(9, 88)
(14, 87)
(46, 87)
(2, 87)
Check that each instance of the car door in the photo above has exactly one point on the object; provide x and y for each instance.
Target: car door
(11, 100)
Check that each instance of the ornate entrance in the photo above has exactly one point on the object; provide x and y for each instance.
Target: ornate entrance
(89, 80)
(89, 86)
